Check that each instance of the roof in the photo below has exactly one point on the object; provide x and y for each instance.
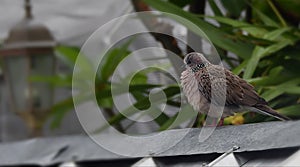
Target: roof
(260, 143)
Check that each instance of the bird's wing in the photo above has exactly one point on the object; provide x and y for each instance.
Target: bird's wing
(238, 91)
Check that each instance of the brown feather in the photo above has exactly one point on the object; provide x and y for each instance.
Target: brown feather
(269, 111)
(201, 81)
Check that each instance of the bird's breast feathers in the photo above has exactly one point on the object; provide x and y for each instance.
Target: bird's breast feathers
(190, 88)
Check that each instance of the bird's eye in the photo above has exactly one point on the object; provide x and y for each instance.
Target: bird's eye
(188, 61)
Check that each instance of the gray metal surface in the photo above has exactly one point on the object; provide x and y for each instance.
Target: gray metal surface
(250, 137)
(52, 150)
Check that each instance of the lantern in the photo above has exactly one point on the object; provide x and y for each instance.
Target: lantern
(29, 51)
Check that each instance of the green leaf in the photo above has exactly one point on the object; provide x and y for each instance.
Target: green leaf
(256, 31)
(215, 8)
(290, 87)
(168, 123)
(68, 54)
(120, 89)
(217, 12)
(292, 90)
(272, 93)
(277, 13)
(180, 3)
(264, 18)
(270, 80)
(139, 78)
(142, 104)
(105, 102)
(57, 80)
(260, 52)
(273, 35)
(161, 119)
(60, 109)
(112, 59)
(291, 111)
(234, 7)
(84, 69)
(255, 40)
(253, 62)
(162, 116)
(58, 112)
(216, 35)
(274, 72)
(240, 68)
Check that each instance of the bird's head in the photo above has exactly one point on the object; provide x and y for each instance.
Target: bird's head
(196, 61)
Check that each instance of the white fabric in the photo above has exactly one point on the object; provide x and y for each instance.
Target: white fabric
(70, 21)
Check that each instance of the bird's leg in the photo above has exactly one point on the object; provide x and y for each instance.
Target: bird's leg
(214, 122)
(221, 122)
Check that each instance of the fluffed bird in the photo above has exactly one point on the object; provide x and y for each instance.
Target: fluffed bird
(201, 81)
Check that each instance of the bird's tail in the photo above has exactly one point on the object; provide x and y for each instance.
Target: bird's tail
(264, 109)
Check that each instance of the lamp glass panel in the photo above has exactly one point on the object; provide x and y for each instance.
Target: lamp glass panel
(42, 92)
(17, 70)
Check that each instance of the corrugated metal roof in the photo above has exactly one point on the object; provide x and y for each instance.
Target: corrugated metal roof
(261, 143)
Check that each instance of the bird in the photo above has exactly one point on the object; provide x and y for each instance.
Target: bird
(205, 84)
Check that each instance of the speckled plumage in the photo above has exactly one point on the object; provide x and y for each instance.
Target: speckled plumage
(204, 83)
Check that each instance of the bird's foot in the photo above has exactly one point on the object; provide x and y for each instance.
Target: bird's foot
(215, 123)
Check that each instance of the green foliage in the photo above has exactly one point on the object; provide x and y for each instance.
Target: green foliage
(234, 7)
(216, 35)
(180, 3)
(111, 61)
(267, 51)
(266, 48)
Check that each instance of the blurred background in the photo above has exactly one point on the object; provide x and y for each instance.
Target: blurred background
(40, 40)
(70, 24)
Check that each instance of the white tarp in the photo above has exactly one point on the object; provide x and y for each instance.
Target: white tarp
(70, 21)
